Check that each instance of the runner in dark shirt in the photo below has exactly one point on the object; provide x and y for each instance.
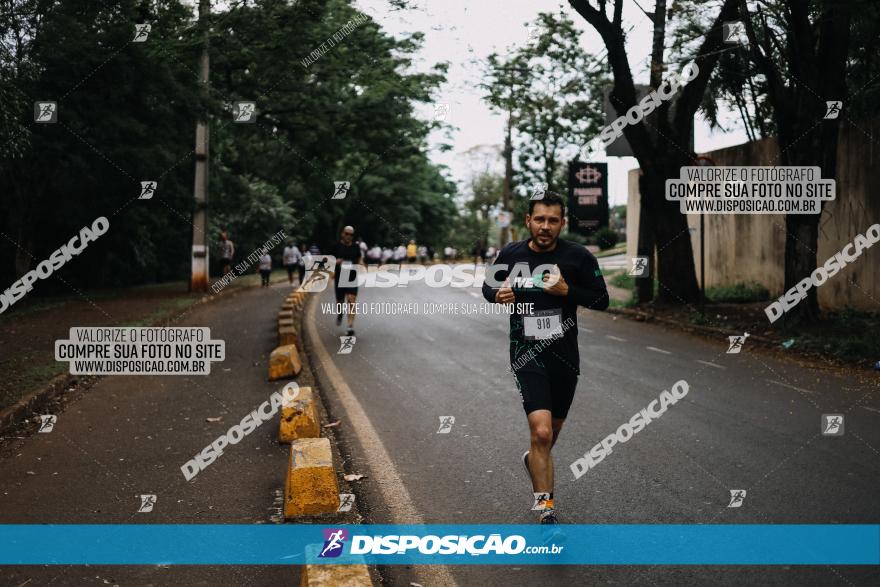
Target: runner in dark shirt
(348, 254)
(556, 276)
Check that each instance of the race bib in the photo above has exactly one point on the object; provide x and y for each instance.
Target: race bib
(543, 325)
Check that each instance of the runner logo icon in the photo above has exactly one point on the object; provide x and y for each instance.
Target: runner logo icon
(736, 343)
(45, 112)
(639, 266)
(832, 424)
(346, 500)
(47, 423)
(147, 503)
(340, 189)
(141, 32)
(446, 423)
(334, 540)
(319, 268)
(148, 188)
(346, 345)
(832, 109)
(736, 498)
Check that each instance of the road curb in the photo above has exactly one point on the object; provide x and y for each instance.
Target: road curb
(284, 363)
(312, 484)
(335, 575)
(299, 419)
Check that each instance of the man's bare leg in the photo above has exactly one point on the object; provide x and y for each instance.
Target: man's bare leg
(351, 299)
(540, 461)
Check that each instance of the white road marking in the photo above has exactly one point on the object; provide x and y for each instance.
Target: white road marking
(379, 461)
(615, 338)
(711, 364)
(872, 409)
(789, 386)
(584, 329)
(429, 337)
(656, 350)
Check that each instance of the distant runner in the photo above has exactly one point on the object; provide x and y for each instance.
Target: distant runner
(543, 346)
(348, 254)
(292, 260)
(227, 251)
(265, 268)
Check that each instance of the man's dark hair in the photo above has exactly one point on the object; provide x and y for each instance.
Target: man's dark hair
(548, 200)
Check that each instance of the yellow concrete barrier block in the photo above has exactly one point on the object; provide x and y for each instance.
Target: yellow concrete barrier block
(284, 363)
(310, 486)
(299, 419)
(285, 314)
(285, 322)
(287, 335)
(335, 575)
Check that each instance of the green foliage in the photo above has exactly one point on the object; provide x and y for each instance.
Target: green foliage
(623, 280)
(127, 113)
(553, 92)
(606, 238)
(738, 293)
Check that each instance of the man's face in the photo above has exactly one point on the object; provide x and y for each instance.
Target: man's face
(347, 235)
(545, 223)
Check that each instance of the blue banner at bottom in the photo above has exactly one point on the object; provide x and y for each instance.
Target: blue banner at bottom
(628, 544)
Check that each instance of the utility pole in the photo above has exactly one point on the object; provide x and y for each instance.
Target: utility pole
(199, 278)
(508, 149)
(508, 177)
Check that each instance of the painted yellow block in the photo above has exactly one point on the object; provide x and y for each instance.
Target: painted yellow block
(285, 322)
(284, 363)
(335, 575)
(310, 486)
(300, 418)
(287, 335)
(285, 314)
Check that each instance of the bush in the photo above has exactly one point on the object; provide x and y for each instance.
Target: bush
(738, 293)
(577, 238)
(606, 238)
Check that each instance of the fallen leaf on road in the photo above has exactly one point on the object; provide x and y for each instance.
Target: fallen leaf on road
(214, 419)
(33, 473)
(354, 477)
(332, 424)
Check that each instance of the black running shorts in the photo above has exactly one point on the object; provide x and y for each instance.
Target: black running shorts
(547, 389)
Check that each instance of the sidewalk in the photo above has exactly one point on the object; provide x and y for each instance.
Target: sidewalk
(28, 333)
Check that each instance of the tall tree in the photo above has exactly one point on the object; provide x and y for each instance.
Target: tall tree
(801, 48)
(663, 149)
(552, 89)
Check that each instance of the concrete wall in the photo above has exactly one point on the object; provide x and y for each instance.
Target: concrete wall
(751, 247)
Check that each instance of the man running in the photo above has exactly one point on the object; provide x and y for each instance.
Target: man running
(348, 254)
(556, 276)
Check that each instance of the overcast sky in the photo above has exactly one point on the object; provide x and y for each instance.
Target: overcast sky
(466, 32)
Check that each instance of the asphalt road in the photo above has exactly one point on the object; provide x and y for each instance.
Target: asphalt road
(129, 435)
(749, 422)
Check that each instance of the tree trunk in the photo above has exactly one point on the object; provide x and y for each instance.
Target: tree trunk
(675, 270)
(645, 247)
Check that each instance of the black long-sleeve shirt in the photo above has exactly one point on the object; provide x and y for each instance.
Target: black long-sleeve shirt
(586, 287)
